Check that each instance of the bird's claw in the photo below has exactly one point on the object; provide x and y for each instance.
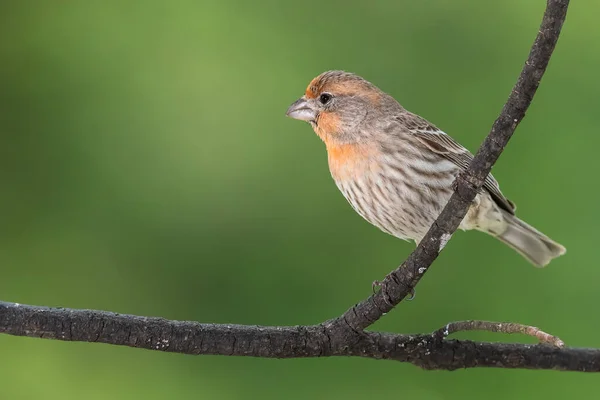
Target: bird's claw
(375, 285)
(382, 288)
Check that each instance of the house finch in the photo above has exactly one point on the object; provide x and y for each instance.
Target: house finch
(396, 169)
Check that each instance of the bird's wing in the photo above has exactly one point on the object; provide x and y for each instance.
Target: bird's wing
(438, 142)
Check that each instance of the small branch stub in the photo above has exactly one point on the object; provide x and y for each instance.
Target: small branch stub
(501, 327)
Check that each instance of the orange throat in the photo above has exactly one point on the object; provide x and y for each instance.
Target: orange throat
(350, 161)
(347, 161)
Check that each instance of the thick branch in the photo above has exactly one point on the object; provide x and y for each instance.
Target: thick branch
(400, 282)
(426, 351)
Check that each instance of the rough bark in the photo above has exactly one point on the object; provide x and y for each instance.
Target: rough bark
(429, 351)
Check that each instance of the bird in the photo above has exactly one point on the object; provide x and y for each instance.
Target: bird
(397, 170)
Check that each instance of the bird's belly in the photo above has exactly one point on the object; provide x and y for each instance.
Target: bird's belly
(401, 207)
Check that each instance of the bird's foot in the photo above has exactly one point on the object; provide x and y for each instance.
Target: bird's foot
(382, 285)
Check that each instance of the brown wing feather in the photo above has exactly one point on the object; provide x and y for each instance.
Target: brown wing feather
(439, 142)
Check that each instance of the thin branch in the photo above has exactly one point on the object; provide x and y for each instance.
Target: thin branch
(426, 351)
(400, 282)
(502, 327)
(345, 335)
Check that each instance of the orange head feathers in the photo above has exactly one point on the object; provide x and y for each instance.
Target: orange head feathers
(339, 104)
(340, 83)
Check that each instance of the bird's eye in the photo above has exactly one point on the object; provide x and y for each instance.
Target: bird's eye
(325, 98)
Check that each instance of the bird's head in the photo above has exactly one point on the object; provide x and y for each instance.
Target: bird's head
(341, 107)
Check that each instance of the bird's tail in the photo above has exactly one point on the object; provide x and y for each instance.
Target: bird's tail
(536, 247)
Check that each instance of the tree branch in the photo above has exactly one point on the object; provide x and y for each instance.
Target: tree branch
(427, 351)
(346, 335)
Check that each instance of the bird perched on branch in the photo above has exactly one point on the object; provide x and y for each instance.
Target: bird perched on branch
(396, 169)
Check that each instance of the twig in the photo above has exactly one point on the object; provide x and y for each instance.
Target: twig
(502, 327)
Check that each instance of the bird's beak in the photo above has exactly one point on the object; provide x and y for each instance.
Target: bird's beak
(301, 110)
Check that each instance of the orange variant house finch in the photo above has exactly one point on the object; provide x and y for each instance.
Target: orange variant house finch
(396, 169)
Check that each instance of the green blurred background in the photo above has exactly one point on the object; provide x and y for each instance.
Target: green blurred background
(147, 167)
